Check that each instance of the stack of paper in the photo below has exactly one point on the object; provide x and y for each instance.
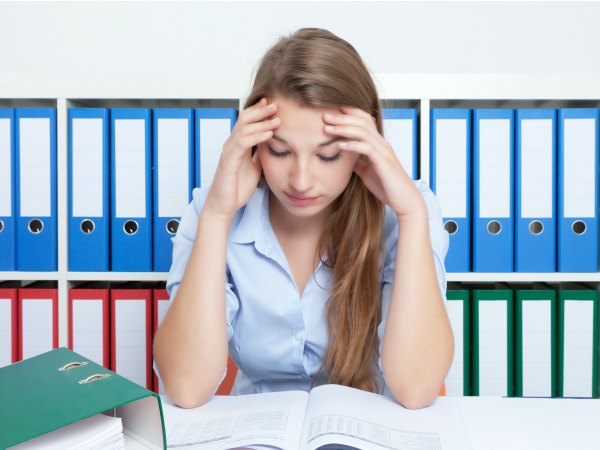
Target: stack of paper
(98, 432)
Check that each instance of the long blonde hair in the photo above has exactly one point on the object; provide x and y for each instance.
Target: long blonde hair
(318, 69)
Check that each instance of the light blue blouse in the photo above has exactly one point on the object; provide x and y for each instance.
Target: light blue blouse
(277, 339)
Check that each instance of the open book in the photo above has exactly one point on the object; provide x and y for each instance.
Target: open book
(331, 417)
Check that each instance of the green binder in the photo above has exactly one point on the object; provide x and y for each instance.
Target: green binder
(577, 341)
(492, 341)
(37, 397)
(535, 341)
(458, 305)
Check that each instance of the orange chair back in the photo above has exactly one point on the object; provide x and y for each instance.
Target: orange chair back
(227, 383)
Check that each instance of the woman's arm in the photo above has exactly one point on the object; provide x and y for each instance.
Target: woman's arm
(418, 345)
(190, 347)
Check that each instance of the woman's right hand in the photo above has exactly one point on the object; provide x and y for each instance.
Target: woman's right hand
(238, 171)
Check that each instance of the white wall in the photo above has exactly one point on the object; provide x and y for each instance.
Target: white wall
(227, 37)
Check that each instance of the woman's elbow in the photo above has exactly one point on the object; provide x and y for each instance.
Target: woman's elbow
(186, 398)
(414, 398)
(415, 402)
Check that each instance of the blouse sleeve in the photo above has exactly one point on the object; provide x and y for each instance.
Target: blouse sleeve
(439, 245)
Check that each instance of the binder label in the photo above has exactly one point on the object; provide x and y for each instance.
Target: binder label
(5, 169)
(451, 166)
(580, 167)
(130, 163)
(34, 167)
(214, 133)
(87, 168)
(494, 168)
(536, 169)
(173, 174)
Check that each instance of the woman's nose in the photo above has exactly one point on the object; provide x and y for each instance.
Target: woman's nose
(301, 179)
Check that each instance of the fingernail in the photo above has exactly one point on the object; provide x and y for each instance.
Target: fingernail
(328, 116)
(271, 107)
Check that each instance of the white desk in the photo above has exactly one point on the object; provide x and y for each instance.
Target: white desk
(531, 423)
(495, 423)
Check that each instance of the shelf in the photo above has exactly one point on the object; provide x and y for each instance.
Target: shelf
(117, 276)
(523, 277)
(29, 276)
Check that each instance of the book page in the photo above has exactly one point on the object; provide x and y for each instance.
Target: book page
(359, 419)
(226, 422)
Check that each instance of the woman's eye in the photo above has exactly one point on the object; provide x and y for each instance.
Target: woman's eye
(330, 158)
(277, 154)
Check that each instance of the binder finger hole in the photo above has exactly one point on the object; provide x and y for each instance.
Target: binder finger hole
(35, 226)
(172, 226)
(451, 226)
(536, 227)
(87, 226)
(130, 227)
(494, 227)
(1, 226)
(578, 227)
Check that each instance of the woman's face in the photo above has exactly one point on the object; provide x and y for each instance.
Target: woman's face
(302, 164)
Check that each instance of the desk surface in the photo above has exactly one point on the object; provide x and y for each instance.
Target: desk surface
(495, 423)
(531, 423)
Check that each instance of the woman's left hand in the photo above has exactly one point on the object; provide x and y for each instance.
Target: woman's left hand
(380, 168)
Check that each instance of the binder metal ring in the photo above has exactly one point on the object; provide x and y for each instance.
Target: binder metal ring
(536, 227)
(72, 365)
(1, 226)
(130, 227)
(95, 377)
(578, 227)
(494, 227)
(451, 226)
(87, 226)
(172, 226)
(35, 226)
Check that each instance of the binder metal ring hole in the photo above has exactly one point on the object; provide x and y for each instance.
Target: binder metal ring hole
(536, 227)
(451, 227)
(73, 365)
(172, 226)
(96, 377)
(131, 227)
(579, 227)
(1, 226)
(35, 226)
(87, 226)
(494, 227)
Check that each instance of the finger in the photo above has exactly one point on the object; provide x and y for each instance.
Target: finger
(258, 113)
(259, 127)
(345, 119)
(349, 131)
(247, 142)
(357, 111)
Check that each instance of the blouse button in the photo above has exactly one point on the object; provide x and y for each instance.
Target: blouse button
(298, 336)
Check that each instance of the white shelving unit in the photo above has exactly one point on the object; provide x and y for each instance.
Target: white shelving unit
(421, 91)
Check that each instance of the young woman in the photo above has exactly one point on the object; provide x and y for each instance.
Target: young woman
(313, 257)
